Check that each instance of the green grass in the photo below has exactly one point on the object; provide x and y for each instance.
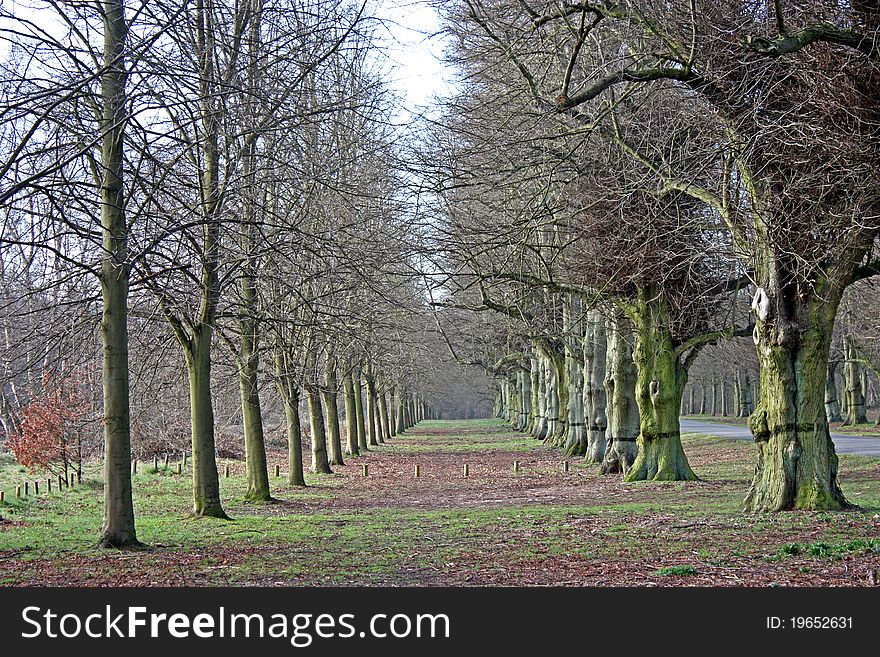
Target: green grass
(677, 570)
(646, 522)
(824, 549)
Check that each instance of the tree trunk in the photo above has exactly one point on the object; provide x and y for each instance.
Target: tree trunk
(401, 413)
(359, 412)
(350, 414)
(329, 394)
(595, 361)
(832, 404)
(855, 394)
(118, 529)
(659, 386)
(320, 462)
(375, 438)
(252, 418)
(295, 474)
(620, 387)
(796, 463)
(384, 431)
(206, 480)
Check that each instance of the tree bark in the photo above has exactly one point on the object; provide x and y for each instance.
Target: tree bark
(659, 385)
(595, 357)
(329, 394)
(796, 462)
(832, 404)
(855, 394)
(118, 529)
(359, 412)
(620, 387)
(350, 414)
(320, 462)
(206, 480)
(295, 473)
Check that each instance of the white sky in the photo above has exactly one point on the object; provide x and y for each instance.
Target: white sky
(416, 51)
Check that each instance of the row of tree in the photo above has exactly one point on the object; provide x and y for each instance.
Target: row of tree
(187, 185)
(703, 170)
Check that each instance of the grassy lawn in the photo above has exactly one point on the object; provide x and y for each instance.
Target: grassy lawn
(539, 526)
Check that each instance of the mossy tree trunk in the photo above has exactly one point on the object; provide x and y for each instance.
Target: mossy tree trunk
(118, 529)
(620, 388)
(796, 462)
(659, 386)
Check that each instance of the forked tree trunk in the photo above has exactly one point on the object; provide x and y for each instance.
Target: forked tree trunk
(659, 386)
(118, 529)
(620, 387)
(206, 480)
(350, 415)
(796, 462)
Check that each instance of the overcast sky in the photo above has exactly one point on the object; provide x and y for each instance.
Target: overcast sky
(416, 51)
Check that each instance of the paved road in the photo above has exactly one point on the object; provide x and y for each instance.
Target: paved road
(843, 443)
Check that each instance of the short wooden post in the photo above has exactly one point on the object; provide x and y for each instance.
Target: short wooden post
(2, 496)
(134, 467)
(18, 491)
(49, 485)
(36, 488)
(166, 460)
(277, 470)
(565, 466)
(417, 471)
(366, 470)
(60, 483)
(184, 459)
(26, 488)
(179, 468)
(516, 466)
(155, 464)
(226, 471)
(465, 469)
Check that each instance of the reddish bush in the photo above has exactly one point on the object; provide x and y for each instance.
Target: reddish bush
(50, 436)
